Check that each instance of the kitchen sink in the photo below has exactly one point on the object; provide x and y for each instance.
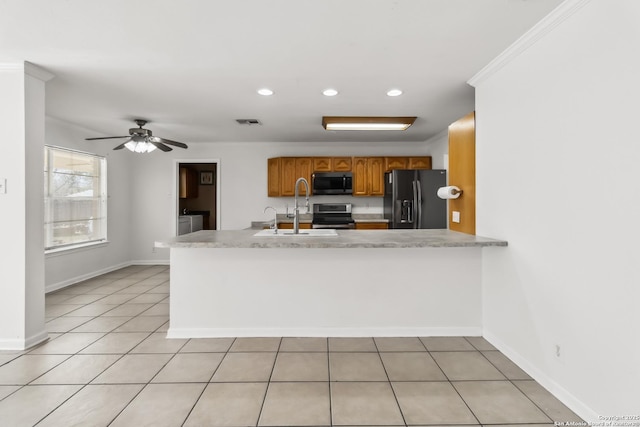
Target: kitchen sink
(314, 232)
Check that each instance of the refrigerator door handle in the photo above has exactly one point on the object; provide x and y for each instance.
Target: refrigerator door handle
(419, 203)
(416, 224)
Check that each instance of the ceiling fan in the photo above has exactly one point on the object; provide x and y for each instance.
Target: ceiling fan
(142, 140)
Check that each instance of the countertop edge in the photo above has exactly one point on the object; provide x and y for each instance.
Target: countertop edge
(347, 239)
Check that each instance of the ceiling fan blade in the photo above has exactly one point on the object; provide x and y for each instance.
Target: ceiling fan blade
(168, 141)
(106, 137)
(160, 146)
(120, 147)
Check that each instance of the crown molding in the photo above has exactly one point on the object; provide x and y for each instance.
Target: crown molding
(28, 68)
(528, 39)
(37, 72)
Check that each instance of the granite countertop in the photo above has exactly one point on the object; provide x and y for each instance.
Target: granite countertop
(345, 239)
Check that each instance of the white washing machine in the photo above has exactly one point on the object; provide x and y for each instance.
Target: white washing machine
(189, 224)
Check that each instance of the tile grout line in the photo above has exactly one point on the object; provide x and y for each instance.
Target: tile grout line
(208, 383)
(266, 391)
(83, 386)
(514, 385)
(329, 383)
(454, 387)
(404, 420)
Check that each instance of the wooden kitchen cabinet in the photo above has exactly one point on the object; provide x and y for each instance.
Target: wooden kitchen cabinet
(368, 176)
(287, 176)
(372, 225)
(360, 176)
(304, 169)
(368, 172)
(188, 183)
(341, 164)
(391, 163)
(289, 225)
(331, 164)
(376, 176)
(322, 164)
(423, 162)
(290, 169)
(273, 177)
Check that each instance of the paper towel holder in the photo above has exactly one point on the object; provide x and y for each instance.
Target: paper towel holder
(449, 192)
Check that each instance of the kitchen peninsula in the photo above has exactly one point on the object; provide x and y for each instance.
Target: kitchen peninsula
(358, 283)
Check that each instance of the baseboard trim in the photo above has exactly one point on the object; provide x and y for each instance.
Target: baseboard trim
(23, 344)
(72, 281)
(562, 394)
(321, 332)
(151, 262)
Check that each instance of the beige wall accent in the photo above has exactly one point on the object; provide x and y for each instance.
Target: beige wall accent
(462, 173)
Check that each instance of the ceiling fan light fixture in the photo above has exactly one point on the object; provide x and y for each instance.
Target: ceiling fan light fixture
(366, 123)
(139, 146)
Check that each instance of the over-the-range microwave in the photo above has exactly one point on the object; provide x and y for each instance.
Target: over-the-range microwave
(332, 183)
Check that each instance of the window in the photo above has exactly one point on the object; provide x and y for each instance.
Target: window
(75, 198)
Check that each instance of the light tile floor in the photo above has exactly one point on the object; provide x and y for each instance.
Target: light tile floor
(108, 363)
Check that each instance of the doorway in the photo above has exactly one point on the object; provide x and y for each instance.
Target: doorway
(197, 185)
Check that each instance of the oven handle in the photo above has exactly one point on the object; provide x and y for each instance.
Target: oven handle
(336, 226)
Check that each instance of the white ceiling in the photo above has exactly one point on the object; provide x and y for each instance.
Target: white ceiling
(192, 67)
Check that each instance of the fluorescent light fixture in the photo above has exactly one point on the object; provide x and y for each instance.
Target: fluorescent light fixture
(265, 92)
(329, 92)
(367, 123)
(394, 92)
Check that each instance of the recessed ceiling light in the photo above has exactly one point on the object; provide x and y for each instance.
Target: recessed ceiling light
(367, 123)
(265, 92)
(329, 92)
(394, 92)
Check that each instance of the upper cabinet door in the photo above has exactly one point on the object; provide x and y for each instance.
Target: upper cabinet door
(420, 162)
(287, 176)
(391, 163)
(273, 177)
(341, 164)
(360, 176)
(376, 176)
(304, 167)
(322, 164)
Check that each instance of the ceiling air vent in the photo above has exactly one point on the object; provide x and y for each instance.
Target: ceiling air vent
(248, 121)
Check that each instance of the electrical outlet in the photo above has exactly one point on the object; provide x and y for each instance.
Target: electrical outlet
(153, 249)
(455, 216)
(3, 186)
(558, 353)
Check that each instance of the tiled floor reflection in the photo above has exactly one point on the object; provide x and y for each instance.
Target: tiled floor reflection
(108, 363)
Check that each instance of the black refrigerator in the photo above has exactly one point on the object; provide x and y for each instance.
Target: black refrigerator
(411, 199)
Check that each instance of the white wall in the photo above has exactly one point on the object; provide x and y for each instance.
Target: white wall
(558, 177)
(243, 185)
(69, 267)
(438, 147)
(21, 205)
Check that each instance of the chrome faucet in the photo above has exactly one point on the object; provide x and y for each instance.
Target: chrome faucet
(296, 209)
(274, 227)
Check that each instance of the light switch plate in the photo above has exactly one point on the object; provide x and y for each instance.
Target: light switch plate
(455, 217)
(3, 185)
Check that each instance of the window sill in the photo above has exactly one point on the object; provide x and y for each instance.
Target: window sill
(67, 250)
